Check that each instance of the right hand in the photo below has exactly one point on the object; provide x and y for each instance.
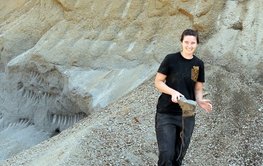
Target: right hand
(176, 96)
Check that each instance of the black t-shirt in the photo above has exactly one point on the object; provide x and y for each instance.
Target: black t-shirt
(182, 74)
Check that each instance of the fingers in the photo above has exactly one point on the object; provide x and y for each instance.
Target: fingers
(208, 101)
(176, 96)
(209, 107)
(175, 99)
(206, 105)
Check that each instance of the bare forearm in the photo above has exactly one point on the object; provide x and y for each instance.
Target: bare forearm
(199, 91)
(198, 94)
(162, 87)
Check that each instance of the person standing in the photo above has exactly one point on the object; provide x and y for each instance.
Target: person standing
(180, 74)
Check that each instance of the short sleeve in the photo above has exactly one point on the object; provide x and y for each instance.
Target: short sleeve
(201, 75)
(164, 66)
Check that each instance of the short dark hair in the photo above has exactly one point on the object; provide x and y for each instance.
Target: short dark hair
(190, 32)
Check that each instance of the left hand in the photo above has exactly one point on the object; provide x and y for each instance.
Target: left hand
(205, 104)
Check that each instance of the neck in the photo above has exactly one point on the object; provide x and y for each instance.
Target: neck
(186, 55)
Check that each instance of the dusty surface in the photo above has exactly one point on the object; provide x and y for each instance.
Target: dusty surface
(123, 134)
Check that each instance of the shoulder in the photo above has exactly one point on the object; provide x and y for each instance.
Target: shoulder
(172, 56)
(198, 60)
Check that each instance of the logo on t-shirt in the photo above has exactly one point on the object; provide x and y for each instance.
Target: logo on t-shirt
(195, 73)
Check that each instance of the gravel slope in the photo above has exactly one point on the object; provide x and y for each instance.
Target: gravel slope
(123, 134)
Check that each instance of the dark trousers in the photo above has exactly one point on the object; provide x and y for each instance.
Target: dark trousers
(172, 142)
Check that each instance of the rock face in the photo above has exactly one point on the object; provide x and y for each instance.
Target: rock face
(65, 60)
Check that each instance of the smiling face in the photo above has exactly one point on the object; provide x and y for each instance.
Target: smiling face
(189, 45)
